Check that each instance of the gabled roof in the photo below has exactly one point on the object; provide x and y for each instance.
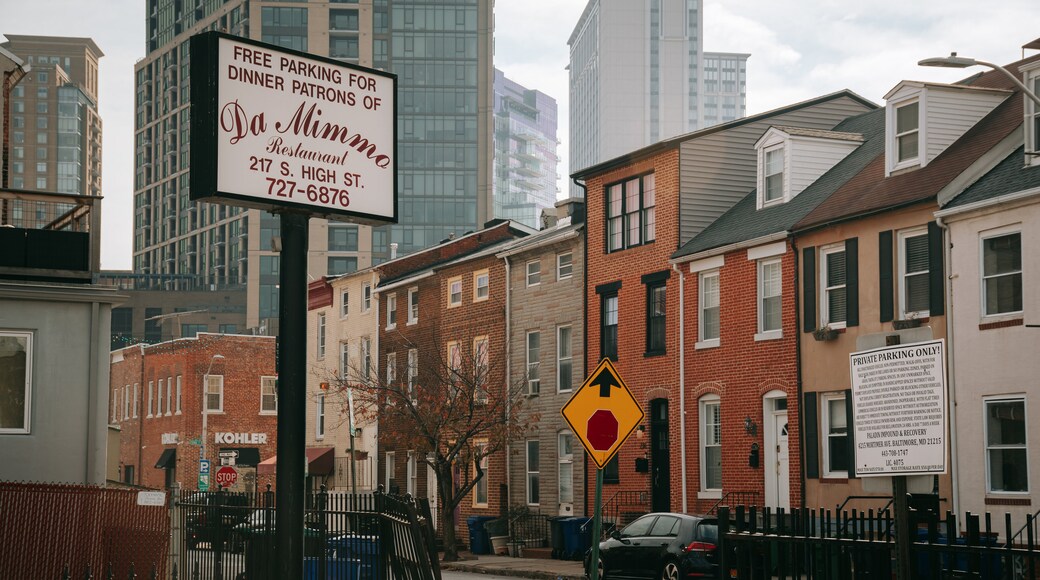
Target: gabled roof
(1008, 177)
(743, 222)
(674, 142)
(819, 133)
(871, 192)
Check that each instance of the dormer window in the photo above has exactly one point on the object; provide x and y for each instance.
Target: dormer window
(774, 174)
(792, 158)
(907, 123)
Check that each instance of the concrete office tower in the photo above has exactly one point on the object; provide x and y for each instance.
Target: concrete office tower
(525, 152)
(441, 52)
(638, 74)
(55, 129)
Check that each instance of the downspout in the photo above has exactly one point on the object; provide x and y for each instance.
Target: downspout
(585, 325)
(682, 382)
(509, 382)
(951, 383)
(798, 367)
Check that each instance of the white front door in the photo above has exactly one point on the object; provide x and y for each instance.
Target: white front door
(431, 493)
(775, 456)
(782, 464)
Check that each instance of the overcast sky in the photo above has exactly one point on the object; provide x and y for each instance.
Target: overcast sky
(799, 49)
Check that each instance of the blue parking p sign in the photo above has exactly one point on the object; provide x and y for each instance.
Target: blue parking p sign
(204, 475)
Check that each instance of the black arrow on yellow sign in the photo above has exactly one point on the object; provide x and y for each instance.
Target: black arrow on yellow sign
(604, 380)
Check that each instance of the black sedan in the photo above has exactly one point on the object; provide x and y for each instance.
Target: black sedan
(668, 546)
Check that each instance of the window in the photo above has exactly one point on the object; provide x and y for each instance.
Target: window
(708, 323)
(481, 346)
(836, 442)
(413, 372)
(169, 395)
(1007, 456)
(834, 278)
(268, 395)
(215, 394)
(655, 318)
(564, 266)
(711, 443)
(126, 402)
(773, 174)
(454, 365)
(344, 360)
(344, 304)
(455, 292)
(319, 417)
(137, 397)
(410, 476)
(321, 336)
(391, 311)
(480, 490)
(115, 404)
(391, 368)
(534, 339)
(1002, 274)
(906, 134)
(151, 398)
(631, 213)
(913, 273)
(179, 395)
(533, 475)
(565, 457)
(1033, 119)
(770, 309)
(391, 460)
(480, 286)
(366, 297)
(366, 358)
(413, 305)
(159, 407)
(564, 368)
(609, 330)
(534, 273)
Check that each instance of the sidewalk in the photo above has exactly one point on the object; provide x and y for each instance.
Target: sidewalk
(519, 567)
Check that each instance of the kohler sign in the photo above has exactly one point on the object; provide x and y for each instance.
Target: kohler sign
(240, 438)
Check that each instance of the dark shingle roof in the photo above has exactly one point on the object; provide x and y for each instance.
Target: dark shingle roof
(1009, 176)
(744, 222)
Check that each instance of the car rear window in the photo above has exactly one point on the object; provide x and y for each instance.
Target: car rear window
(708, 532)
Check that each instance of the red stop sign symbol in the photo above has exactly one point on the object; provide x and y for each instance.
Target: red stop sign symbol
(602, 431)
(226, 476)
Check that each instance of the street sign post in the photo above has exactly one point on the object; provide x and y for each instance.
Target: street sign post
(602, 414)
(204, 475)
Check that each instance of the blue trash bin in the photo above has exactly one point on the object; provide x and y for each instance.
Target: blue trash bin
(358, 554)
(556, 536)
(574, 544)
(478, 540)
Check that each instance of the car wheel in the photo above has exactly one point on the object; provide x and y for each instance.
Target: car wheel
(670, 571)
(601, 573)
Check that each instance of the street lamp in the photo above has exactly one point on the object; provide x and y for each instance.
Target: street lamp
(954, 61)
(205, 405)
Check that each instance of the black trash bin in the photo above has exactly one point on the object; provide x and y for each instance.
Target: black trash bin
(260, 562)
(478, 540)
(556, 537)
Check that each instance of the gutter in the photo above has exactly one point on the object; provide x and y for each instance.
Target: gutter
(993, 202)
(775, 237)
(584, 331)
(799, 387)
(682, 383)
(509, 382)
(950, 380)
(403, 282)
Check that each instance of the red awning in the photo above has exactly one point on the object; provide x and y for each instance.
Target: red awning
(319, 462)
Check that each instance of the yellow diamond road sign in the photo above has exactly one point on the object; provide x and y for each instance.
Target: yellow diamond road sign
(603, 413)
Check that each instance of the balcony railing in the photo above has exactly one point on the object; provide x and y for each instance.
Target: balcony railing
(49, 236)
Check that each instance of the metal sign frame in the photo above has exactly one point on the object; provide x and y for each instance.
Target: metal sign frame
(585, 403)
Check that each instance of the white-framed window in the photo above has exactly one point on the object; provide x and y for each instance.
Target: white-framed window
(708, 322)
(366, 297)
(1002, 274)
(321, 335)
(180, 395)
(480, 489)
(481, 287)
(151, 398)
(137, 397)
(1007, 448)
(913, 273)
(344, 304)
(711, 443)
(319, 417)
(454, 365)
(413, 372)
(533, 472)
(115, 404)
(770, 307)
(564, 266)
(413, 305)
(215, 394)
(565, 459)
(1032, 137)
(169, 395)
(481, 367)
(391, 467)
(631, 213)
(564, 356)
(391, 368)
(159, 393)
(411, 468)
(126, 402)
(534, 273)
(268, 395)
(455, 292)
(391, 311)
(534, 382)
(366, 358)
(906, 134)
(344, 360)
(833, 281)
(773, 174)
(836, 436)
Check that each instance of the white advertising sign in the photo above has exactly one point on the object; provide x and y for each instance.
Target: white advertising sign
(899, 407)
(296, 130)
(151, 498)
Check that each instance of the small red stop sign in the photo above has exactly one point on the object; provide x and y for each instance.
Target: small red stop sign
(602, 431)
(226, 476)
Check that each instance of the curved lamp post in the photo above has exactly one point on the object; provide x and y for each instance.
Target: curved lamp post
(954, 61)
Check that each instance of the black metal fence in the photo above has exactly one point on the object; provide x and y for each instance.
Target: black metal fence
(373, 536)
(821, 544)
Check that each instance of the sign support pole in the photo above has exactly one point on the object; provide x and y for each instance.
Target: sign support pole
(902, 523)
(597, 526)
(292, 396)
